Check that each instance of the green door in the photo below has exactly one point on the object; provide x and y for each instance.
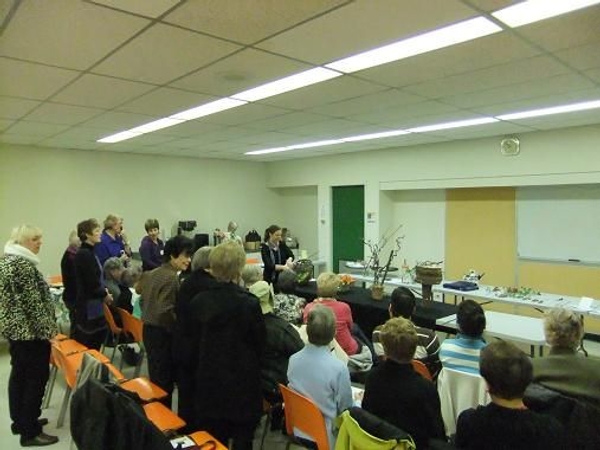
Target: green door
(348, 224)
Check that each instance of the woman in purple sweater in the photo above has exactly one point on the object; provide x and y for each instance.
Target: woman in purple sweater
(151, 248)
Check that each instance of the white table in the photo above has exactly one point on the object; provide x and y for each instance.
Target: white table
(510, 327)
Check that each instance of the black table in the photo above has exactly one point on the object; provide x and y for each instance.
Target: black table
(369, 313)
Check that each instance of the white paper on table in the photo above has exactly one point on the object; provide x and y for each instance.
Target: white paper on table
(585, 304)
(185, 442)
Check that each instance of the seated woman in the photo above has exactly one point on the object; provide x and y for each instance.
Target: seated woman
(118, 279)
(287, 305)
(327, 287)
(506, 423)
(565, 369)
(251, 273)
(396, 393)
(462, 352)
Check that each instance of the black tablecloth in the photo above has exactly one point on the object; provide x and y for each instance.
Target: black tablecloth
(369, 313)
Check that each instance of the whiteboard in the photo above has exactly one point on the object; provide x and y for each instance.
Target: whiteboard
(559, 223)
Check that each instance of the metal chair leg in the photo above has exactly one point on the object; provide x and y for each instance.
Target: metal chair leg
(63, 408)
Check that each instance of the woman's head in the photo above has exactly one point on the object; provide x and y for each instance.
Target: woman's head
(113, 268)
(273, 234)
(328, 284)
(200, 258)
(227, 261)
(287, 281)
(251, 273)
(113, 223)
(563, 328)
(178, 252)
(399, 339)
(27, 236)
(74, 240)
(152, 228)
(470, 318)
(89, 231)
(320, 325)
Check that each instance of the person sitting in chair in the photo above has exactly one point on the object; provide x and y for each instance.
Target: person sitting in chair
(506, 423)
(462, 353)
(403, 304)
(396, 393)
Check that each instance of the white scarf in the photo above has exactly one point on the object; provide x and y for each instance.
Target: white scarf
(18, 250)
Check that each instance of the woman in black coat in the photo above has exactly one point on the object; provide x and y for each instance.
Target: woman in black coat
(229, 339)
(276, 256)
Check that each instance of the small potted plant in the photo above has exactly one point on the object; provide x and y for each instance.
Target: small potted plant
(346, 282)
(380, 271)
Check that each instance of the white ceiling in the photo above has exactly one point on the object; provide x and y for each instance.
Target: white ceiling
(72, 72)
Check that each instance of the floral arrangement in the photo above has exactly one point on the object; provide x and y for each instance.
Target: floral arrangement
(346, 280)
(374, 264)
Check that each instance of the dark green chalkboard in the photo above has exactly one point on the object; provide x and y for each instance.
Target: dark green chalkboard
(348, 223)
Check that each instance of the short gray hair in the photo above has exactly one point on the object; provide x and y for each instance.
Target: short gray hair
(251, 273)
(320, 325)
(563, 328)
(227, 261)
(200, 258)
(328, 284)
(287, 281)
(112, 263)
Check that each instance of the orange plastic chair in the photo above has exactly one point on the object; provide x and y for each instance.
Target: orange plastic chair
(55, 280)
(115, 331)
(302, 413)
(203, 437)
(134, 327)
(161, 416)
(421, 369)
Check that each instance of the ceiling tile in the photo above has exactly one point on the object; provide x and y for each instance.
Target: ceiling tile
(502, 75)
(244, 114)
(33, 81)
(25, 128)
(574, 119)
(243, 70)
(368, 103)
(4, 124)
(568, 82)
(359, 26)
(332, 128)
(7, 138)
(148, 8)
(163, 53)
(192, 128)
(63, 114)
(582, 57)
(491, 5)
(15, 108)
(330, 91)
(284, 121)
(569, 30)
(247, 22)
(101, 92)
(163, 102)
(117, 121)
(492, 129)
(474, 55)
(397, 116)
(43, 32)
(594, 74)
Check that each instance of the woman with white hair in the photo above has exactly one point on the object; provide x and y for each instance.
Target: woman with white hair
(565, 369)
(113, 241)
(27, 320)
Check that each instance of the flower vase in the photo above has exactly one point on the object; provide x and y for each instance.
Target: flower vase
(377, 291)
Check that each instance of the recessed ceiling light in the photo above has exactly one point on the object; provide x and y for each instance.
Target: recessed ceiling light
(208, 109)
(367, 137)
(536, 10)
(118, 137)
(156, 125)
(296, 81)
(433, 40)
(456, 124)
(551, 110)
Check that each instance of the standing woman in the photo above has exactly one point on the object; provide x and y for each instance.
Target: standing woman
(276, 256)
(158, 289)
(67, 270)
(27, 320)
(90, 325)
(151, 248)
(112, 241)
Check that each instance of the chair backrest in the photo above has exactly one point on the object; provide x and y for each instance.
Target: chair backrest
(68, 363)
(131, 325)
(421, 369)
(110, 320)
(55, 280)
(302, 413)
(459, 391)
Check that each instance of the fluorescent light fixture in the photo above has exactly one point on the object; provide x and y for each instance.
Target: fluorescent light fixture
(551, 110)
(535, 10)
(423, 43)
(287, 84)
(315, 144)
(207, 109)
(268, 150)
(122, 136)
(450, 125)
(367, 137)
(156, 125)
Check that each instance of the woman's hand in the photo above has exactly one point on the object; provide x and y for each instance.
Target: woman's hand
(109, 298)
(289, 264)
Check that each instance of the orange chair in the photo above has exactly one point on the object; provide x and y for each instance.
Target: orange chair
(134, 327)
(202, 438)
(115, 331)
(55, 281)
(68, 346)
(421, 369)
(164, 419)
(302, 413)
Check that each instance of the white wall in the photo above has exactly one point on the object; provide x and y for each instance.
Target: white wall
(55, 189)
(298, 210)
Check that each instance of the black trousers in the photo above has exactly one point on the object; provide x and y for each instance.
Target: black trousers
(30, 361)
(161, 366)
(241, 434)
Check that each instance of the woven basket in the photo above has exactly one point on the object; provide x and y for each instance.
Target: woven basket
(428, 275)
